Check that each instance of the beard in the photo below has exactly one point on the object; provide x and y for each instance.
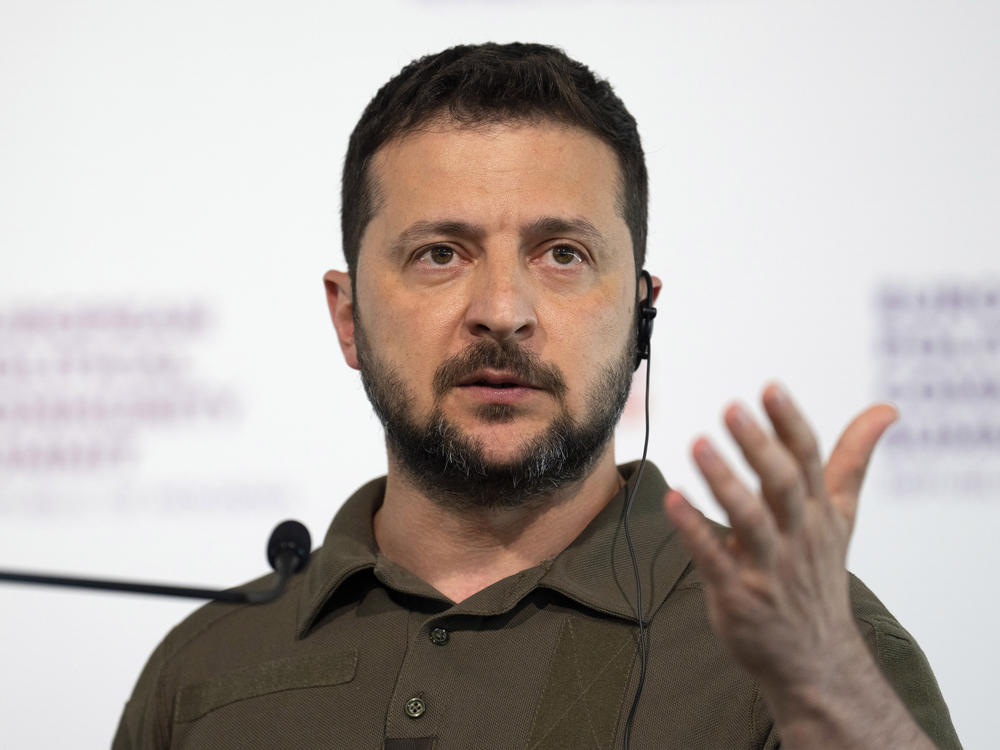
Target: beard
(452, 468)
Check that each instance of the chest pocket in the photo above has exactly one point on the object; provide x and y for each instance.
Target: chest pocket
(291, 673)
(582, 700)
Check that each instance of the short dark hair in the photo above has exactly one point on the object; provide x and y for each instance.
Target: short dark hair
(487, 83)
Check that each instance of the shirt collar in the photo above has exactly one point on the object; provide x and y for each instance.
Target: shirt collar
(349, 547)
(595, 570)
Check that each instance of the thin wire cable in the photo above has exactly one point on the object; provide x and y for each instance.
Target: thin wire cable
(643, 649)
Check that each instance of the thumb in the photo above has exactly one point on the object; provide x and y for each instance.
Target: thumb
(845, 471)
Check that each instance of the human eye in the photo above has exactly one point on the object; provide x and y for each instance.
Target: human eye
(566, 255)
(437, 255)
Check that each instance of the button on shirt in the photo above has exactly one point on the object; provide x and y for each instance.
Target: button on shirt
(362, 654)
(439, 636)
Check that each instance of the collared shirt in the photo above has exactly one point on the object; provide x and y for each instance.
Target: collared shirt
(362, 654)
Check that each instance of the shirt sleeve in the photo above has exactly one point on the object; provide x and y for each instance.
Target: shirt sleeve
(905, 667)
(145, 721)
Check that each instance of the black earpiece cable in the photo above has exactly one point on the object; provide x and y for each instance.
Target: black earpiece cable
(643, 646)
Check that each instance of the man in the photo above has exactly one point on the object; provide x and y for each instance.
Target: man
(481, 594)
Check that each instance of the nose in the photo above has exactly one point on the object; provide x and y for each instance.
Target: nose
(501, 304)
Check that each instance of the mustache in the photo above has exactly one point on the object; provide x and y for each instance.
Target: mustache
(494, 355)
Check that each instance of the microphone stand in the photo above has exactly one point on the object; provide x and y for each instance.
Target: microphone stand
(287, 550)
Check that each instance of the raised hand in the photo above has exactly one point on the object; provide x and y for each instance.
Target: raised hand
(776, 582)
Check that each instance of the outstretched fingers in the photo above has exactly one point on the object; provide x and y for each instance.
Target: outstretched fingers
(848, 464)
(797, 500)
(797, 436)
(781, 478)
(752, 523)
(703, 541)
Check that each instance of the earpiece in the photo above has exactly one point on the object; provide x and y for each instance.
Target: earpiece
(644, 314)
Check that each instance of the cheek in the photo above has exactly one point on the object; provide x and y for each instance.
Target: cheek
(588, 343)
(410, 335)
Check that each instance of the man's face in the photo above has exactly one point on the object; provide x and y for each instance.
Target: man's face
(494, 306)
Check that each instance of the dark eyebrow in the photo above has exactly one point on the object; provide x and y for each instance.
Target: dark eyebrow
(544, 226)
(549, 225)
(422, 230)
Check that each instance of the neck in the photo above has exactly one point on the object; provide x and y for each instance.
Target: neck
(461, 551)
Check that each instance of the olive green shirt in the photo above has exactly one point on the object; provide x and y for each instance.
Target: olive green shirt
(359, 653)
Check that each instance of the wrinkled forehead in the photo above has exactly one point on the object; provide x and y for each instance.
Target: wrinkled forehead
(529, 164)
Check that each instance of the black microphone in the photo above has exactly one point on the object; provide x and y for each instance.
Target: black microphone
(287, 550)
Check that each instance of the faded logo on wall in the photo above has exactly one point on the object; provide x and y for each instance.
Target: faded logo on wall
(82, 385)
(938, 358)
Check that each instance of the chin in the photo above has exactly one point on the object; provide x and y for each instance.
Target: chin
(504, 440)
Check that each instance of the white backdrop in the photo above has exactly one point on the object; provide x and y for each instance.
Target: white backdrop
(825, 181)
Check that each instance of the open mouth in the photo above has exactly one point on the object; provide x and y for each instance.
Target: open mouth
(496, 387)
(498, 380)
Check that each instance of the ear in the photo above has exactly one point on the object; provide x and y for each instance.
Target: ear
(657, 286)
(340, 300)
